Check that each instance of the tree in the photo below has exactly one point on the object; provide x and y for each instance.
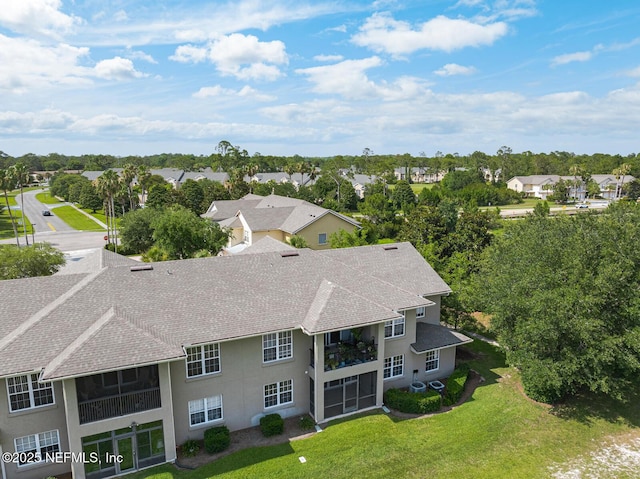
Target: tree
(22, 177)
(345, 239)
(298, 242)
(193, 196)
(563, 294)
(129, 173)
(107, 186)
(181, 233)
(403, 196)
(40, 259)
(8, 183)
(89, 197)
(136, 232)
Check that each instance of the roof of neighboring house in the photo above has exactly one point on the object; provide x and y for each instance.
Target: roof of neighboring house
(267, 244)
(207, 173)
(434, 336)
(273, 212)
(93, 175)
(86, 261)
(122, 317)
(536, 179)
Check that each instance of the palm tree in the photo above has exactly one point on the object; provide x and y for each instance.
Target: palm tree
(8, 183)
(129, 172)
(22, 177)
(575, 170)
(107, 185)
(143, 176)
(623, 170)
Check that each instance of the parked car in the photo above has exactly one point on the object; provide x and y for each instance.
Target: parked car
(46, 213)
(582, 205)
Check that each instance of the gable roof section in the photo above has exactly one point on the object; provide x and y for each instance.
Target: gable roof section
(118, 318)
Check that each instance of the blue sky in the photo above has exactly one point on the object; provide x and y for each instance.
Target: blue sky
(319, 78)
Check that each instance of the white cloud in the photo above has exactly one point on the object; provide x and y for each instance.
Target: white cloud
(189, 54)
(27, 64)
(382, 33)
(242, 56)
(571, 57)
(634, 72)
(349, 80)
(454, 69)
(140, 55)
(117, 68)
(36, 17)
(120, 16)
(328, 58)
(244, 92)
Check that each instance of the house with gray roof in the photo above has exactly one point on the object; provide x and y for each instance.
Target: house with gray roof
(541, 186)
(253, 217)
(132, 360)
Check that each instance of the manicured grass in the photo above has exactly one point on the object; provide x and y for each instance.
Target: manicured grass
(498, 433)
(416, 187)
(46, 198)
(6, 230)
(76, 219)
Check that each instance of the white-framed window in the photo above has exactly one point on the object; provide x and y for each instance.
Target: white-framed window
(25, 392)
(33, 449)
(420, 312)
(203, 359)
(203, 411)
(322, 238)
(394, 328)
(246, 238)
(276, 346)
(278, 393)
(393, 367)
(432, 360)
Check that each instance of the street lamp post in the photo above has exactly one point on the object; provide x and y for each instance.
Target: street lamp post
(33, 233)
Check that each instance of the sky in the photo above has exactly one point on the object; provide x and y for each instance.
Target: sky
(319, 78)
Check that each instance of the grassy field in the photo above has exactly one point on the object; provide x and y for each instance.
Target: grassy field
(47, 199)
(416, 187)
(6, 230)
(76, 219)
(498, 433)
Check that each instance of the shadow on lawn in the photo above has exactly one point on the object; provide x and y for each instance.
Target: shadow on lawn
(587, 407)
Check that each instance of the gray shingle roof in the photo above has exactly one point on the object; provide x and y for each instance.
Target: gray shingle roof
(118, 317)
(434, 336)
(273, 212)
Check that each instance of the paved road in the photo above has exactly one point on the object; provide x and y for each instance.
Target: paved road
(52, 229)
(570, 210)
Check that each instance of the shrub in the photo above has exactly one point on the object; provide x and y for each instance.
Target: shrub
(190, 448)
(216, 439)
(455, 385)
(414, 403)
(271, 425)
(306, 423)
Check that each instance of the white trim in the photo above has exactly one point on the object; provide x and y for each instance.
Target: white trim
(278, 346)
(30, 390)
(277, 394)
(392, 366)
(203, 359)
(205, 410)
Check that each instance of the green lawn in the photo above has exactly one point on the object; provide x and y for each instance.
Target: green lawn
(46, 198)
(416, 187)
(498, 433)
(76, 219)
(6, 230)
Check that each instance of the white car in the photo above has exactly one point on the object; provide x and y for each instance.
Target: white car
(582, 205)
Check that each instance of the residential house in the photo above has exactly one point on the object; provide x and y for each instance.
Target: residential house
(253, 217)
(541, 186)
(134, 359)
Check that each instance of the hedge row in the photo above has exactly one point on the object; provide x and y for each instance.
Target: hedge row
(414, 403)
(455, 385)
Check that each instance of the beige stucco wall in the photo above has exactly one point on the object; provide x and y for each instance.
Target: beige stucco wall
(241, 382)
(328, 224)
(77, 431)
(275, 234)
(32, 421)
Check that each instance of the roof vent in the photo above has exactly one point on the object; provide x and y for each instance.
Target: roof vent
(288, 254)
(388, 248)
(144, 267)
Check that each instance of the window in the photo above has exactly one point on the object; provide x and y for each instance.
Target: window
(322, 238)
(36, 446)
(203, 359)
(394, 328)
(393, 367)
(25, 392)
(277, 346)
(420, 312)
(433, 360)
(277, 394)
(202, 411)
